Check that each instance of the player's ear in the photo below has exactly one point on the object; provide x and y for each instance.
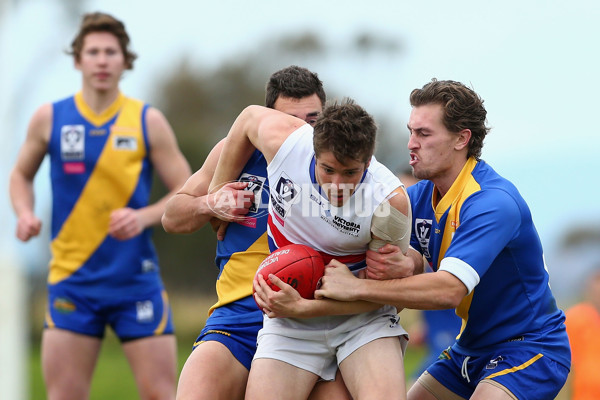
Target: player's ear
(463, 139)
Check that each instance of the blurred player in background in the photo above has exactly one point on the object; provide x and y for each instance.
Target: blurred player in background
(583, 327)
(218, 366)
(477, 232)
(325, 190)
(104, 270)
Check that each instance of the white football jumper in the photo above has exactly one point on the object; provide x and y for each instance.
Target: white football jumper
(299, 212)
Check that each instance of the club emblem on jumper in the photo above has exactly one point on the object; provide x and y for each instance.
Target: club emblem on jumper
(72, 142)
(256, 184)
(423, 233)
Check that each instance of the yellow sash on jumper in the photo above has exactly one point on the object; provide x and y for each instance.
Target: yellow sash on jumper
(109, 187)
(464, 186)
(236, 279)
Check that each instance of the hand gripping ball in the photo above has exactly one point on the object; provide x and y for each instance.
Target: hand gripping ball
(297, 265)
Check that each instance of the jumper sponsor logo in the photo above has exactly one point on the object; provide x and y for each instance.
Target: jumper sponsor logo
(125, 143)
(346, 225)
(77, 167)
(97, 132)
(340, 224)
(423, 232)
(72, 142)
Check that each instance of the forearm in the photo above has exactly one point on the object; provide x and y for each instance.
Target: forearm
(430, 291)
(325, 307)
(21, 194)
(186, 213)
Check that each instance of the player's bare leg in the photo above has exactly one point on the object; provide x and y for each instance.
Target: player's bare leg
(211, 372)
(153, 361)
(276, 380)
(334, 390)
(68, 362)
(490, 390)
(429, 388)
(376, 371)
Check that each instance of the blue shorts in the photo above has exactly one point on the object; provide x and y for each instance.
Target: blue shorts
(240, 339)
(130, 317)
(524, 371)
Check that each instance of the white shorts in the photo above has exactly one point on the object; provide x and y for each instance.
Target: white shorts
(319, 344)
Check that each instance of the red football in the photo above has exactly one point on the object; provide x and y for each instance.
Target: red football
(297, 265)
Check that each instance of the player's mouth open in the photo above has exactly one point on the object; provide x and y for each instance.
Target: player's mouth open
(413, 159)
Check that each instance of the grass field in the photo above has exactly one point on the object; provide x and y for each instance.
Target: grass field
(113, 378)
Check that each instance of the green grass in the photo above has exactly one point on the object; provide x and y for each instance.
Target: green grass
(113, 378)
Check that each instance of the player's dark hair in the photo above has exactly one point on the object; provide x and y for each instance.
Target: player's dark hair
(463, 109)
(101, 22)
(346, 130)
(293, 82)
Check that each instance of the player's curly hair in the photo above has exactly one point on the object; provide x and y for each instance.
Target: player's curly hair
(463, 109)
(294, 82)
(101, 22)
(346, 130)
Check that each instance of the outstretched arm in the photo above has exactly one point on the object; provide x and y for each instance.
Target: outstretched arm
(189, 209)
(431, 291)
(192, 207)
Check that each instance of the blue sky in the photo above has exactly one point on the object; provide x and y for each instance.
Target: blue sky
(534, 62)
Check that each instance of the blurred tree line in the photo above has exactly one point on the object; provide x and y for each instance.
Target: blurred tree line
(202, 103)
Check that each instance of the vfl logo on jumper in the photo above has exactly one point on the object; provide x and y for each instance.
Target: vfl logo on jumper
(145, 311)
(423, 233)
(125, 143)
(72, 142)
(285, 194)
(256, 184)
